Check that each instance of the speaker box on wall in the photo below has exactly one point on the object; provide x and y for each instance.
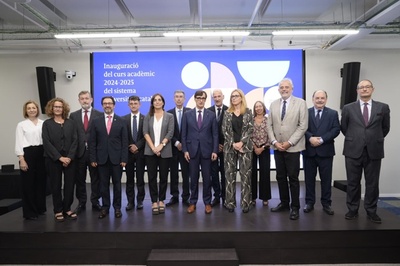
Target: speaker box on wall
(350, 78)
(45, 79)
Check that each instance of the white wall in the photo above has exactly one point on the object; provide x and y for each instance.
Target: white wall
(18, 84)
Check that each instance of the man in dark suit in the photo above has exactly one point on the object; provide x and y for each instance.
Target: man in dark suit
(287, 124)
(323, 128)
(177, 154)
(136, 161)
(108, 148)
(200, 147)
(83, 119)
(217, 166)
(364, 124)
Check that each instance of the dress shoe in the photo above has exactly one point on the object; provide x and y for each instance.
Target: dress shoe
(246, 210)
(172, 201)
(130, 206)
(230, 209)
(328, 210)
(96, 207)
(280, 208)
(103, 214)
(191, 208)
(208, 209)
(294, 214)
(32, 218)
(308, 208)
(139, 205)
(186, 203)
(350, 215)
(80, 208)
(118, 213)
(373, 217)
(215, 202)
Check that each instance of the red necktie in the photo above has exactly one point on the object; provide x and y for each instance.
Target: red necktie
(109, 124)
(365, 114)
(85, 121)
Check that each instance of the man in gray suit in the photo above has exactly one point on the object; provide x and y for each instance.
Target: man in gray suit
(365, 124)
(287, 124)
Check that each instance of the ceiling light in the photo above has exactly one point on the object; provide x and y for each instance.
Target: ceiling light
(206, 33)
(314, 32)
(97, 35)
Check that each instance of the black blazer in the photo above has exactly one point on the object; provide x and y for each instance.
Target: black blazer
(140, 138)
(83, 137)
(328, 130)
(177, 133)
(357, 135)
(103, 146)
(220, 133)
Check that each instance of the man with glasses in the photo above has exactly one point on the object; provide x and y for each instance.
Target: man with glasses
(108, 148)
(200, 147)
(364, 124)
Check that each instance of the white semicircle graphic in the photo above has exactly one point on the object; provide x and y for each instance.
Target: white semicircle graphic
(263, 73)
(195, 75)
(271, 95)
(222, 77)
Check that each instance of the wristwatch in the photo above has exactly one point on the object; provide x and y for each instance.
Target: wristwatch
(163, 143)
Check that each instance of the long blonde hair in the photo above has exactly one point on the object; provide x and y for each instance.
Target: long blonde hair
(243, 105)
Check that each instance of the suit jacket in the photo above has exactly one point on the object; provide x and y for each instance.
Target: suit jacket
(59, 141)
(220, 133)
(247, 132)
(177, 133)
(83, 137)
(140, 138)
(328, 129)
(293, 126)
(113, 146)
(167, 131)
(357, 135)
(205, 138)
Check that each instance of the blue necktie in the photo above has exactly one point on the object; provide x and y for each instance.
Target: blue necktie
(134, 129)
(199, 120)
(318, 117)
(283, 110)
(179, 119)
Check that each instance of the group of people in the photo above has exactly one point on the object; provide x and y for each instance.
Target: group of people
(220, 141)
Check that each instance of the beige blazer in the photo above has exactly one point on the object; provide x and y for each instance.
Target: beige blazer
(293, 126)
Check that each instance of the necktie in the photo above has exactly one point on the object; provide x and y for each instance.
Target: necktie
(85, 121)
(318, 117)
(109, 124)
(134, 129)
(199, 120)
(365, 114)
(283, 110)
(179, 119)
(218, 113)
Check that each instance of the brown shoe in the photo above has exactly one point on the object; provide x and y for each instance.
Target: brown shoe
(208, 209)
(191, 208)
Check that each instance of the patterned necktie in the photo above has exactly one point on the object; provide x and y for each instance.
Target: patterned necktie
(179, 119)
(318, 117)
(283, 110)
(134, 129)
(109, 124)
(218, 113)
(365, 114)
(199, 120)
(85, 121)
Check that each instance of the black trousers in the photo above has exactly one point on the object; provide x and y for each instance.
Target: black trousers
(83, 164)
(176, 160)
(135, 167)
(287, 176)
(217, 168)
(33, 182)
(264, 165)
(155, 163)
(114, 171)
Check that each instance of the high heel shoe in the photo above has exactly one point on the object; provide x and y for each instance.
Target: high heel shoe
(154, 209)
(161, 207)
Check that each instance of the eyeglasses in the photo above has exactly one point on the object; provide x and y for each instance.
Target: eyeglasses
(57, 107)
(201, 98)
(108, 103)
(235, 96)
(365, 87)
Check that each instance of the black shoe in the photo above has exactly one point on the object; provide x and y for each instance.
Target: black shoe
(350, 215)
(130, 206)
(294, 214)
(118, 213)
(103, 214)
(215, 202)
(96, 207)
(230, 209)
(246, 209)
(80, 208)
(32, 218)
(328, 210)
(172, 201)
(281, 207)
(373, 217)
(308, 208)
(139, 205)
(186, 203)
